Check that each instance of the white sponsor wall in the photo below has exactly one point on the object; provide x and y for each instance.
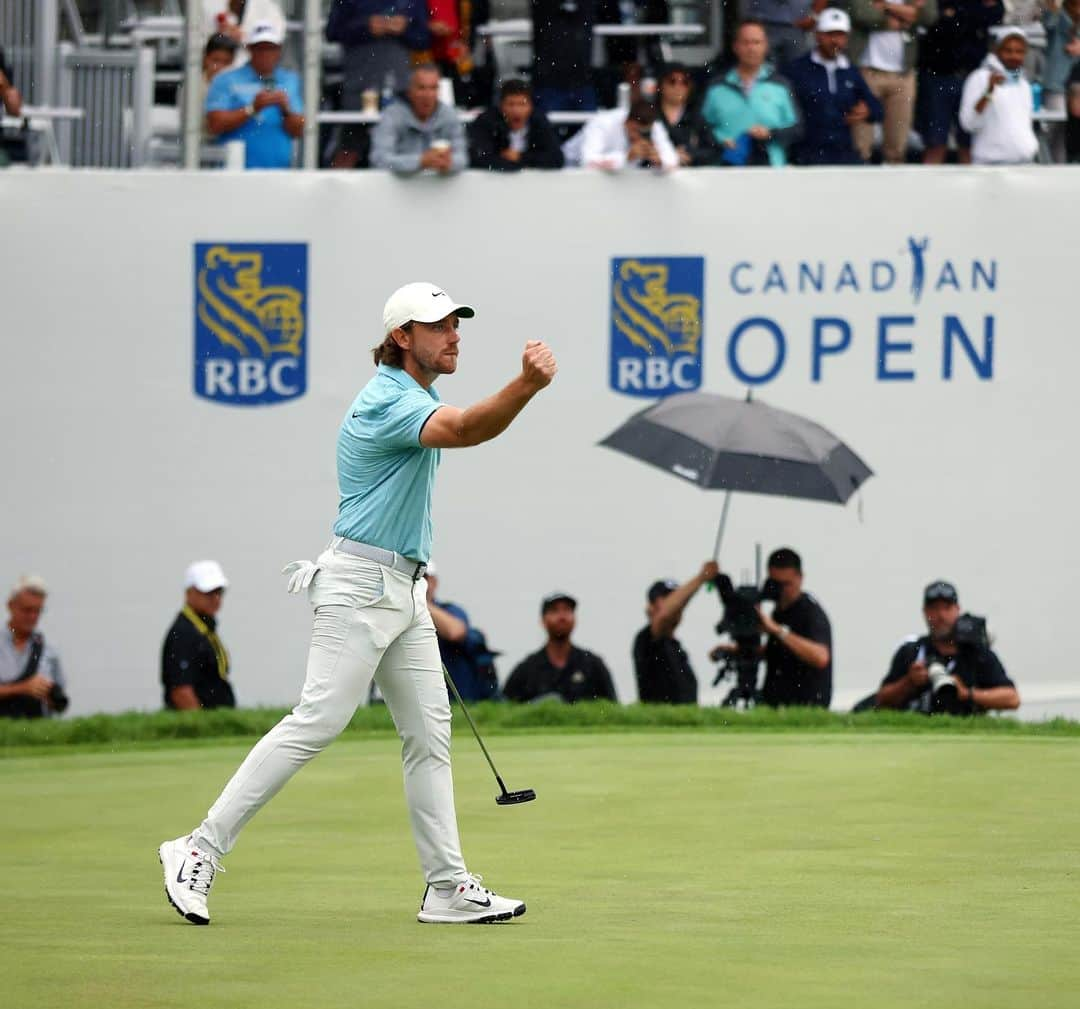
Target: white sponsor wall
(117, 475)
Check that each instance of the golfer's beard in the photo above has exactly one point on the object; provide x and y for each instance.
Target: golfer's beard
(432, 362)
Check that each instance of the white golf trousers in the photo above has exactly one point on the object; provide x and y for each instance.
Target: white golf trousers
(370, 621)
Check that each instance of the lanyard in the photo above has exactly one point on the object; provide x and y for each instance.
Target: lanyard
(220, 654)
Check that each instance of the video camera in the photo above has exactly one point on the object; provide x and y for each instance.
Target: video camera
(741, 622)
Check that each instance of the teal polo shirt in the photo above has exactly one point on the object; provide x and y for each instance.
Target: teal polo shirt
(385, 476)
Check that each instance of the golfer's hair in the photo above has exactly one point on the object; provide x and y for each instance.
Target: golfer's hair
(642, 112)
(785, 558)
(514, 86)
(424, 68)
(389, 352)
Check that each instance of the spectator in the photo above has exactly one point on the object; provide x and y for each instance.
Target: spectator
(560, 669)
(975, 672)
(681, 119)
(258, 103)
(948, 52)
(462, 647)
(786, 24)
(562, 41)
(751, 111)
(379, 39)
(883, 45)
(1062, 24)
(418, 131)
(12, 147)
(1072, 120)
(798, 654)
(515, 135)
(236, 19)
(10, 99)
(31, 681)
(194, 662)
(832, 94)
(623, 52)
(662, 668)
(995, 107)
(618, 138)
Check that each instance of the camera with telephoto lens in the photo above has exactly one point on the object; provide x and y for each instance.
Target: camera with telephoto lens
(58, 700)
(742, 623)
(943, 692)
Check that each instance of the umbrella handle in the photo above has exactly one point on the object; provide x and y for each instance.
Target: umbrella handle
(723, 523)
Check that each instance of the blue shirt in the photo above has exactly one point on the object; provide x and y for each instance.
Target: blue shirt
(266, 144)
(385, 475)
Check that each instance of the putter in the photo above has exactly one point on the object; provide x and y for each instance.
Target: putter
(506, 798)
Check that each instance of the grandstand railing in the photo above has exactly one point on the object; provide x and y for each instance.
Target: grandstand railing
(28, 29)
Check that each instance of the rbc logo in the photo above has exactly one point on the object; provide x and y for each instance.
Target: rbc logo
(656, 319)
(250, 322)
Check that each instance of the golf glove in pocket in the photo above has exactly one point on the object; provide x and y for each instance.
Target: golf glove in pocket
(300, 574)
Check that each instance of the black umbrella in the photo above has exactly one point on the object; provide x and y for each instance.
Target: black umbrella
(721, 443)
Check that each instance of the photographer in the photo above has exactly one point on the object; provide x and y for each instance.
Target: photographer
(31, 683)
(663, 671)
(798, 654)
(952, 669)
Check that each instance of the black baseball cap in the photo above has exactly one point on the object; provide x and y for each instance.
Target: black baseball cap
(660, 589)
(940, 591)
(556, 597)
(675, 67)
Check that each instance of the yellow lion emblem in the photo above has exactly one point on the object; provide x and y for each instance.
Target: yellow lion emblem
(240, 312)
(649, 315)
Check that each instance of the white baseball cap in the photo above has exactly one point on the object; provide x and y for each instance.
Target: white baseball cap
(29, 583)
(265, 31)
(205, 576)
(832, 19)
(1008, 32)
(420, 302)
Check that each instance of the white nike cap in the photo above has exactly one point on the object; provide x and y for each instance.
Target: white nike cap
(205, 576)
(420, 302)
(29, 583)
(265, 31)
(832, 19)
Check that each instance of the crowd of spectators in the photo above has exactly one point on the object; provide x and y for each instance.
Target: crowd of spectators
(950, 669)
(802, 83)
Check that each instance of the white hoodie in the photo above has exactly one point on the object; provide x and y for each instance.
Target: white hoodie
(1002, 133)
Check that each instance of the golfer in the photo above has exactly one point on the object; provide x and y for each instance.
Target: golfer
(371, 615)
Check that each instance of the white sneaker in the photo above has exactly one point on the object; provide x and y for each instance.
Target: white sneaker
(189, 874)
(468, 903)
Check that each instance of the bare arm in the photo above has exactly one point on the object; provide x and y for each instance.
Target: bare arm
(899, 692)
(9, 95)
(294, 124)
(447, 626)
(451, 427)
(672, 605)
(37, 686)
(225, 121)
(989, 698)
(184, 698)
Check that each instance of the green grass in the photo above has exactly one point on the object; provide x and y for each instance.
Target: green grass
(167, 727)
(689, 869)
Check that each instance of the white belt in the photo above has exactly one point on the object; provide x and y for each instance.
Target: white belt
(387, 558)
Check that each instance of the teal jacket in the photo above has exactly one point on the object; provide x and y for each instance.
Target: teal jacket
(731, 112)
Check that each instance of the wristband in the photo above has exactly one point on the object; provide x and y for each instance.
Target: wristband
(250, 110)
(783, 632)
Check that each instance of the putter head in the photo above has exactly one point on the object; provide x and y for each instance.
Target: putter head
(513, 798)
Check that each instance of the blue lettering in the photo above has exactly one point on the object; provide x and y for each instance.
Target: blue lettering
(821, 349)
(808, 278)
(880, 269)
(885, 347)
(947, 277)
(733, 351)
(989, 276)
(984, 365)
(735, 271)
(847, 278)
(774, 278)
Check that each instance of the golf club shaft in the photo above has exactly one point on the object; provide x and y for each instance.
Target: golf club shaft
(472, 725)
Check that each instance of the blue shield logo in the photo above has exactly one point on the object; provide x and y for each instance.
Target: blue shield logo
(250, 322)
(656, 321)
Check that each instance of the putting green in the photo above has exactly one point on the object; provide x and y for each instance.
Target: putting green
(660, 869)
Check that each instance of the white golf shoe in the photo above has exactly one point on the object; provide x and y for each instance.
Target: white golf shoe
(468, 903)
(189, 874)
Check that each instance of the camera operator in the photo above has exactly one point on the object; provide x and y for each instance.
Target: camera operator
(798, 655)
(952, 669)
(31, 682)
(662, 669)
